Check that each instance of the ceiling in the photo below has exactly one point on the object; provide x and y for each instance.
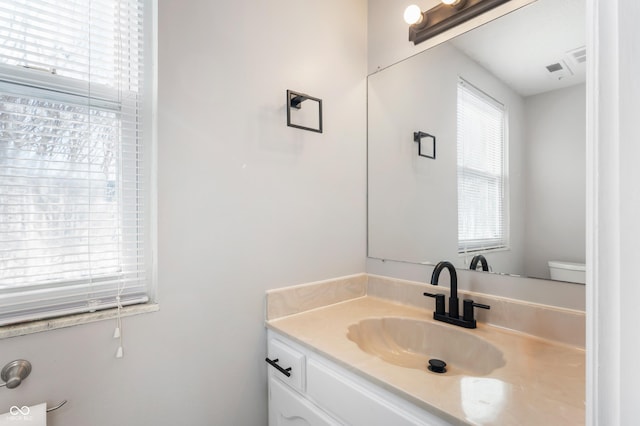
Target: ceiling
(518, 47)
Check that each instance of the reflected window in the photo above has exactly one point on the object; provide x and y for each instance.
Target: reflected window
(481, 135)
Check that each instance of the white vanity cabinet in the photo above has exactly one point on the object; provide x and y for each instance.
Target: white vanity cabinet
(287, 403)
(288, 408)
(320, 392)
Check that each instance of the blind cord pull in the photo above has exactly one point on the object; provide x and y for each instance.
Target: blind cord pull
(117, 333)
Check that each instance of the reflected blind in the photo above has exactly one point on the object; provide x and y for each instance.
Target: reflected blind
(481, 171)
(72, 175)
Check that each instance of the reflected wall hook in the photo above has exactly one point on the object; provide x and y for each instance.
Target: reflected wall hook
(15, 372)
(425, 151)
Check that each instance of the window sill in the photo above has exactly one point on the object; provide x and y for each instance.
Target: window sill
(72, 320)
(483, 251)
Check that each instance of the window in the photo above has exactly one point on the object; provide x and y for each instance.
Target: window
(481, 171)
(74, 156)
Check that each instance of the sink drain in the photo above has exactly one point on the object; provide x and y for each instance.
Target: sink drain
(437, 366)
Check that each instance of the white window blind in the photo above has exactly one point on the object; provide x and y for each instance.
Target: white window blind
(482, 214)
(73, 176)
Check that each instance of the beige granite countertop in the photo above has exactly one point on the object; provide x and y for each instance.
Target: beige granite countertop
(541, 383)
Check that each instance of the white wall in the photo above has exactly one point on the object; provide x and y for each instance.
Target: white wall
(555, 179)
(613, 208)
(413, 201)
(245, 204)
(629, 109)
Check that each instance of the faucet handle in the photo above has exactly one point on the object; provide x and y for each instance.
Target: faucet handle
(439, 302)
(467, 309)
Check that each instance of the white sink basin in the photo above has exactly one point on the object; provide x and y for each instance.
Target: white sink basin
(410, 343)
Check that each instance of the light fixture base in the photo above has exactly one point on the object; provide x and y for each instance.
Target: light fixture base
(444, 17)
(458, 4)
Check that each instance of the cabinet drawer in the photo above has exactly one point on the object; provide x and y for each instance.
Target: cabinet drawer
(355, 404)
(287, 357)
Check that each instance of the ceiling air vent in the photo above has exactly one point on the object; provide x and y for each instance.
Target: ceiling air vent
(554, 67)
(559, 70)
(577, 56)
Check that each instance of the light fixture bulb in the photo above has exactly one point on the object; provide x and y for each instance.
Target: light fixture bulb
(456, 3)
(413, 15)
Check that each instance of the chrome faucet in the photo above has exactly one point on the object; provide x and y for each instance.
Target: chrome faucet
(479, 258)
(453, 317)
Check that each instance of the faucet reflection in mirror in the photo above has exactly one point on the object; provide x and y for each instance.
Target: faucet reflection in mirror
(453, 317)
(444, 16)
(482, 260)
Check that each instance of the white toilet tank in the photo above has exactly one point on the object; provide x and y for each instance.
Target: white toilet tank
(567, 271)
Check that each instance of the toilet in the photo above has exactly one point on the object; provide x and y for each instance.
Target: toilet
(567, 271)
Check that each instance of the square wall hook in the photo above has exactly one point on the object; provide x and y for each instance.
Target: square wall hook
(428, 147)
(304, 111)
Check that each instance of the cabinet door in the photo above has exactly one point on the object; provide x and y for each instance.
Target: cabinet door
(286, 408)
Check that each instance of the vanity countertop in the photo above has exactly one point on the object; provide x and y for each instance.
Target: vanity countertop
(542, 382)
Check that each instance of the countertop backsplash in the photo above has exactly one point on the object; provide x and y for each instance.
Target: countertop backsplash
(546, 322)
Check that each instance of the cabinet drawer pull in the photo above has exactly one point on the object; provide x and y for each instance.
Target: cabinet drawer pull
(274, 363)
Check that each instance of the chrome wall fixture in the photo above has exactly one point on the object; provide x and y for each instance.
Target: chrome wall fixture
(14, 373)
(444, 16)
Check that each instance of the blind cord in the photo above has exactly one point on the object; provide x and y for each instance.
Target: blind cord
(117, 333)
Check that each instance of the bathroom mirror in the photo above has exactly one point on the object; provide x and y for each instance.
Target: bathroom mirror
(531, 62)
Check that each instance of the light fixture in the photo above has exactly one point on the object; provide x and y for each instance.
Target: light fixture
(457, 3)
(444, 16)
(413, 15)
